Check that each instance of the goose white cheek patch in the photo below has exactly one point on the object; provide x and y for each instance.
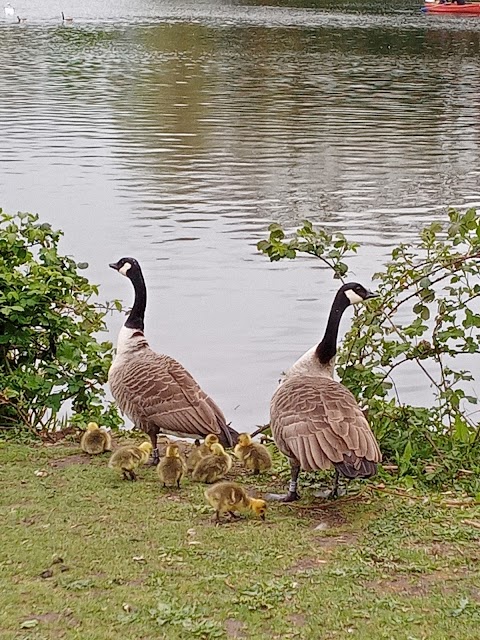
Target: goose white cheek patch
(123, 270)
(353, 297)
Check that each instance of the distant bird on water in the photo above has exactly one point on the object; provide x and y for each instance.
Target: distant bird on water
(19, 19)
(66, 19)
(9, 10)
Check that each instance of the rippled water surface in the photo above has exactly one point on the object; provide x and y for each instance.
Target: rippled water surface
(176, 131)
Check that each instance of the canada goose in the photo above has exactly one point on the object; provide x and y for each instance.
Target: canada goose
(171, 467)
(201, 451)
(126, 459)
(95, 440)
(154, 390)
(66, 19)
(213, 467)
(231, 497)
(315, 421)
(255, 456)
(9, 10)
(19, 19)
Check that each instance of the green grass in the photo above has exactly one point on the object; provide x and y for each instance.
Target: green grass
(134, 561)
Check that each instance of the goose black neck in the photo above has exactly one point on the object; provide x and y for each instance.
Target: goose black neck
(327, 348)
(136, 318)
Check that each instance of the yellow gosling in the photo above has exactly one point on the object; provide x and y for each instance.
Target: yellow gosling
(230, 497)
(171, 467)
(127, 459)
(201, 451)
(255, 456)
(214, 466)
(95, 440)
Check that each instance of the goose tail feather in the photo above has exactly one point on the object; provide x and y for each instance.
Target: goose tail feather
(228, 437)
(354, 467)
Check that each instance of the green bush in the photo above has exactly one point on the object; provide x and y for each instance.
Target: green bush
(426, 316)
(50, 359)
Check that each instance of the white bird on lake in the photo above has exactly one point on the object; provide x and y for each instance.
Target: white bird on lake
(9, 10)
(66, 19)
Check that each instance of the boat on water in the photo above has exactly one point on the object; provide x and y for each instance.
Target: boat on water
(469, 8)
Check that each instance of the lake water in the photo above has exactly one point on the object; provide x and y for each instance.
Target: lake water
(176, 131)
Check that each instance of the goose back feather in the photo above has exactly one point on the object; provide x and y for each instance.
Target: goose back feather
(155, 391)
(318, 422)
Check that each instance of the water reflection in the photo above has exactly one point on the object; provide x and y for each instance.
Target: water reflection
(176, 131)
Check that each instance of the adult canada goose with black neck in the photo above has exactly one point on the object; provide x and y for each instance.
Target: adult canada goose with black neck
(315, 420)
(154, 390)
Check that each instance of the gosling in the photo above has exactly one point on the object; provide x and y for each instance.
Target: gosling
(213, 467)
(201, 451)
(171, 467)
(255, 456)
(229, 497)
(95, 440)
(127, 459)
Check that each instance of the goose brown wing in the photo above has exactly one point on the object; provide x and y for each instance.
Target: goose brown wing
(318, 422)
(154, 389)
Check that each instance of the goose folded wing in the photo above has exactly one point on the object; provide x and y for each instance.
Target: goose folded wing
(169, 397)
(321, 423)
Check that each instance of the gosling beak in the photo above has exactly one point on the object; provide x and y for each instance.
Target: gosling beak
(114, 265)
(370, 294)
(263, 517)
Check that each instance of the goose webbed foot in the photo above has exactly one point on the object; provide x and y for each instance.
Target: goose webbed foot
(335, 492)
(292, 496)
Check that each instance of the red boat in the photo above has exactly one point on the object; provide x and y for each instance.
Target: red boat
(469, 8)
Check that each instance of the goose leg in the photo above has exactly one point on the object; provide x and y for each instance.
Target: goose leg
(292, 494)
(334, 491)
(155, 457)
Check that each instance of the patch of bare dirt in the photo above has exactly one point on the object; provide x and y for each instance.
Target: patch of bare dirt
(234, 628)
(298, 619)
(53, 437)
(48, 618)
(329, 543)
(68, 461)
(418, 585)
(444, 550)
(307, 564)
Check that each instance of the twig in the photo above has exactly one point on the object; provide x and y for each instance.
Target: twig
(396, 492)
(325, 505)
(260, 430)
(472, 523)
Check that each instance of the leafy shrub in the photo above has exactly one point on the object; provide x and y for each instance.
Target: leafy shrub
(49, 354)
(426, 316)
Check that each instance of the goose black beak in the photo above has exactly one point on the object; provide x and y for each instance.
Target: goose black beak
(370, 294)
(114, 265)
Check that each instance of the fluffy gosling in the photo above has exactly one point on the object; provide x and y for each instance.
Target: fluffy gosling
(171, 467)
(255, 456)
(95, 440)
(201, 451)
(230, 497)
(213, 467)
(127, 459)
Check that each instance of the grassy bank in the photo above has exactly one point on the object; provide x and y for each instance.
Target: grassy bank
(87, 556)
